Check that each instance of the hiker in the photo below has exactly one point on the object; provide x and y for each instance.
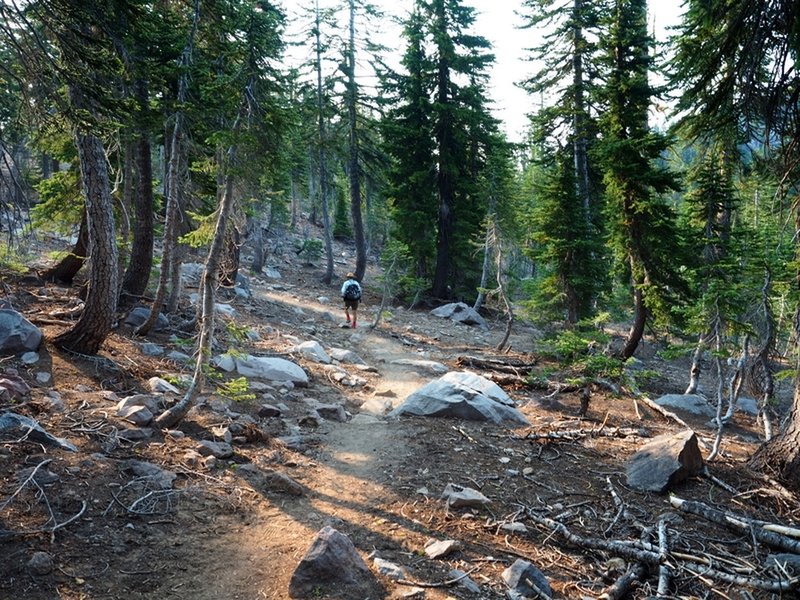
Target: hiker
(351, 294)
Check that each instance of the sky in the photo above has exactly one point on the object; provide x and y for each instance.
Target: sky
(496, 20)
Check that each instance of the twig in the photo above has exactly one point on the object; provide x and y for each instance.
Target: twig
(446, 583)
(24, 483)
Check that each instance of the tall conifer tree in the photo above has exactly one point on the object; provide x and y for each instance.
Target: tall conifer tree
(640, 223)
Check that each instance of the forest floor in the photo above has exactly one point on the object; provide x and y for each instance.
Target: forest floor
(227, 530)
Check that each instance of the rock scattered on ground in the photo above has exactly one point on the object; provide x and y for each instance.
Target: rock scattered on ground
(664, 462)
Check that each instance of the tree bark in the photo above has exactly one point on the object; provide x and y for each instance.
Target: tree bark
(68, 267)
(637, 328)
(97, 318)
(354, 165)
(141, 259)
(323, 180)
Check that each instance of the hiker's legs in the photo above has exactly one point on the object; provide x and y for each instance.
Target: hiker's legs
(355, 314)
(347, 312)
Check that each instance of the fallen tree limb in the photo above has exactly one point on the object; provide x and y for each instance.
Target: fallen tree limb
(577, 434)
(743, 524)
(741, 580)
(663, 412)
(625, 550)
(493, 364)
(624, 585)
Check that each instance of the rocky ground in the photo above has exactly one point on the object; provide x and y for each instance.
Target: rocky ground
(228, 503)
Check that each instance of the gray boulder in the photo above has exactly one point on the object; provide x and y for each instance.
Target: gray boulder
(462, 395)
(457, 496)
(140, 314)
(333, 568)
(346, 356)
(18, 426)
(17, 334)
(664, 462)
(272, 368)
(526, 581)
(691, 403)
(460, 313)
(314, 351)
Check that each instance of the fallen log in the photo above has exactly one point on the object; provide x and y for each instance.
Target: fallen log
(760, 530)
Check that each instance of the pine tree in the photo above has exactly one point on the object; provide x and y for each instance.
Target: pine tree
(568, 52)
(640, 223)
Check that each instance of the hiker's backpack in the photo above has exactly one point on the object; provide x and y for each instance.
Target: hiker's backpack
(352, 291)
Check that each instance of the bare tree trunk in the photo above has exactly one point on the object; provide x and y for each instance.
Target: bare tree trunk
(208, 287)
(295, 204)
(502, 291)
(485, 270)
(323, 183)
(97, 319)
(69, 266)
(174, 183)
(354, 166)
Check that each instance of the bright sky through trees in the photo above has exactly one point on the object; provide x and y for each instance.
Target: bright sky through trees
(498, 22)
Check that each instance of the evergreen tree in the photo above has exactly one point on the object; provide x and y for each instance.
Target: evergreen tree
(568, 52)
(407, 134)
(440, 132)
(640, 223)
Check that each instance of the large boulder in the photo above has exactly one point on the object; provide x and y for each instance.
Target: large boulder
(333, 568)
(460, 313)
(272, 368)
(17, 334)
(462, 395)
(690, 403)
(664, 462)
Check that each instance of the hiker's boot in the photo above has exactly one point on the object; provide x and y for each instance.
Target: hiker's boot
(354, 325)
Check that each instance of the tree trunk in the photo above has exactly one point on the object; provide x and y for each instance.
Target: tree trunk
(579, 112)
(487, 248)
(208, 287)
(355, 167)
(68, 267)
(173, 184)
(97, 318)
(323, 183)
(637, 329)
(141, 260)
(257, 242)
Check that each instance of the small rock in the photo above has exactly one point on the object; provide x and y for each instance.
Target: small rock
(162, 385)
(138, 415)
(43, 377)
(40, 563)
(216, 449)
(389, 569)
(522, 576)
(464, 581)
(268, 411)
(332, 412)
(30, 358)
(281, 482)
(151, 349)
(459, 497)
(179, 357)
(440, 548)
